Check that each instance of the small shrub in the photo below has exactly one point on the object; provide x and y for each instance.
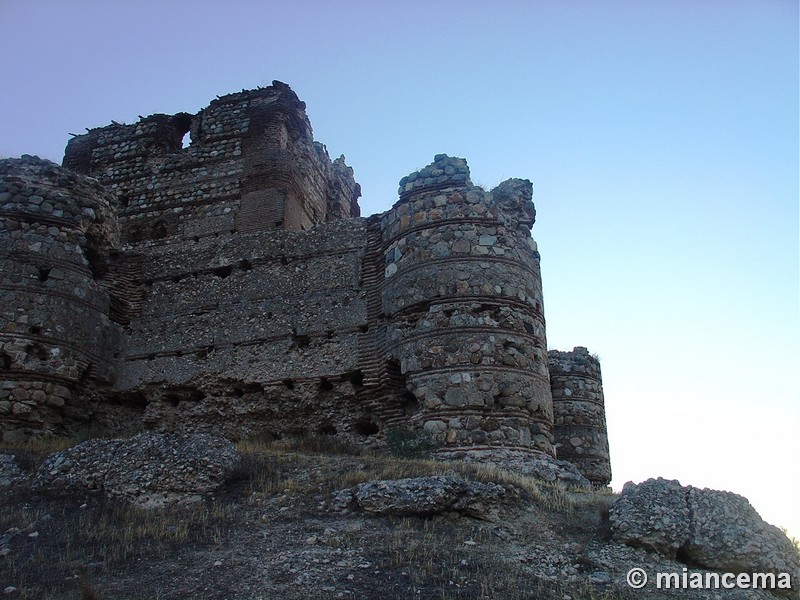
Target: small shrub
(408, 443)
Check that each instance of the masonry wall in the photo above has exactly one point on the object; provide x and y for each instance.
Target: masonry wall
(579, 413)
(252, 165)
(230, 286)
(250, 334)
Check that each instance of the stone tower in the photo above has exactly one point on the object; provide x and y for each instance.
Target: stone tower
(579, 413)
(463, 293)
(57, 230)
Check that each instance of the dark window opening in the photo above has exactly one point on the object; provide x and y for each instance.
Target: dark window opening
(245, 265)
(289, 384)
(238, 392)
(300, 341)
(223, 272)
(365, 427)
(87, 372)
(284, 260)
(410, 404)
(136, 401)
(124, 200)
(327, 430)
(135, 235)
(44, 273)
(5, 361)
(159, 230)
(356, 377)
(278, 224)
(98, 265)
(178, 395)
(151, 357)
(176, 279)
(325, 386)
(364, 328)
(329, 334)
(36, 351)
(35, 329)
(182, 122)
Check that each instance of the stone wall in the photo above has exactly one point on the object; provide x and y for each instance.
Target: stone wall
(230, 286)
(579, 413)
(57, 342)
(252, 165)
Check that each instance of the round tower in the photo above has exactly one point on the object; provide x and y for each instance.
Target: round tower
(579, 413)
(462, 290)
(56, 230)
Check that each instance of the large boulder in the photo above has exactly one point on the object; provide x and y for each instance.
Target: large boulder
(653, 515)
(729, 535)
(150, 470)
(706, 528)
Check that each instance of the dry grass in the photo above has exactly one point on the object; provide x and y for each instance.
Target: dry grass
(86, 543)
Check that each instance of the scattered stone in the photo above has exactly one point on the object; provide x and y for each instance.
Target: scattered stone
(10, 471)
(425, 496)
(151, 470)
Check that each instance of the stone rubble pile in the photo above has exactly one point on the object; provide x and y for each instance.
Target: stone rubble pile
(422, 496)
(10, 471)
(150, 470)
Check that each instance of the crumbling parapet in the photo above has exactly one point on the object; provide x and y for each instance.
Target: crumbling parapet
(463, 296)
(579, 414)
(252, 165)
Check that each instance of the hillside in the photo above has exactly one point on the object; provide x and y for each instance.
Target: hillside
(277, 530)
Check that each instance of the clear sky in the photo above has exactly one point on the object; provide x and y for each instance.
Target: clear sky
(661, 138)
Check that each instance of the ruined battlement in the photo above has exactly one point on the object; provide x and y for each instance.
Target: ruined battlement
(252, 165)
(230, 285)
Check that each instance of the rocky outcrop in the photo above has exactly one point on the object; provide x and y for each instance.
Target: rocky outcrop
(422, 496)
(653, 515)
(707, 528)
(10, 471)
(150, 470)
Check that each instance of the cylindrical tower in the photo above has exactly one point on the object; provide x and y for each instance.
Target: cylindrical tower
(56, 229)
(463, 294)
(579, 413)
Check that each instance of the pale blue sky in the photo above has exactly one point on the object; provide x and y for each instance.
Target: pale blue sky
(661, 137)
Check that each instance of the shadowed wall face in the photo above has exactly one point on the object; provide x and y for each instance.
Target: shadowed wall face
(579, 413)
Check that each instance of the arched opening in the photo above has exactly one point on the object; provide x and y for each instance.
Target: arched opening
(182, 122)
(365, 427)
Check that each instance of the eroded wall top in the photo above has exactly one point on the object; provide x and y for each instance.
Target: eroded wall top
(252, 165)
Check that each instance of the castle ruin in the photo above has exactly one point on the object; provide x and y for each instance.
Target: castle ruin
(232, 286)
